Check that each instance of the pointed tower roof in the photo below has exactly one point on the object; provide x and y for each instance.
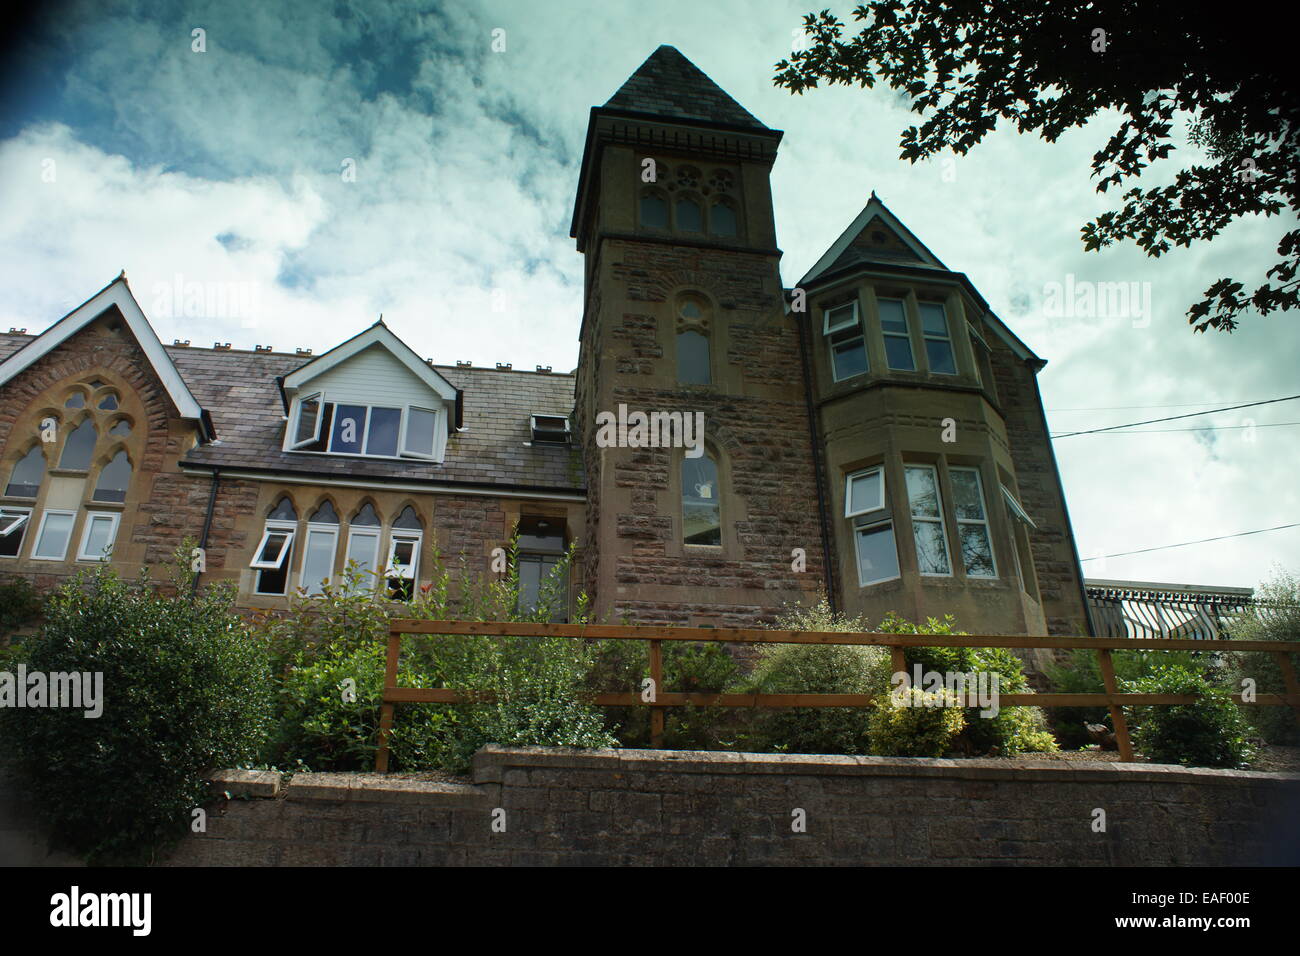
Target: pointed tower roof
(669, 85)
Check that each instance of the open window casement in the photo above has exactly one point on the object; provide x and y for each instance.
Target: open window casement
(274, 547)
(549, 429)
(403, 555)
(307, 419)
(422, 433)
(839, 317)
(1017, 511)
(12, 520)
(864, 492)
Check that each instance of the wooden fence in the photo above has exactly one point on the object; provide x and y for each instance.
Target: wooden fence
(655, 635)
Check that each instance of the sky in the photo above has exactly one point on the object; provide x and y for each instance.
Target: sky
(322, 164)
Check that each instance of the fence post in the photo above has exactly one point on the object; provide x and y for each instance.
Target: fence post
(1116, 709)
(1283, 660)
(898, 659)
(656, 709)
(386, 712)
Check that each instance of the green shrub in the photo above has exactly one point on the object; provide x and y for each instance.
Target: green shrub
(1277, 618)
(689, 668)
(912, 723)
(1208, 733)
(1013, 730)
(20, 605)
(185, 692)
(329, 715)
(1081, 674)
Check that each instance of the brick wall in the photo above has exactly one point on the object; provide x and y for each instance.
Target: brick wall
(690, 808)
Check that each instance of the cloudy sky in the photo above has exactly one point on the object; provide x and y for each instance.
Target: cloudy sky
(338, 161)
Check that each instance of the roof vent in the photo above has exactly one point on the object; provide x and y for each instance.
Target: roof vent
(549, 429)
(460, 364)
(220, 347)
(544, 369)
(261, 348)
(504, 366)
(180, 343)
(302, 351)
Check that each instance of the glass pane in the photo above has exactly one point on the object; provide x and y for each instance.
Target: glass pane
(114, 479)
(366, 516)
(898, 352)
(839, 318)
(976, 550)
(53, 542)
(692, 359)
(922, 492)
(25, 480)
(318, 565)
(363, 550)
(407, 519)
(865, 493)
(403, 555)
(722, 220)
(850, 359)
(349, 428)
(701, 512)
(541, 534)
(892, 316)
(689, 216)
(939, 354)
(308, 416)
(11, 543)
(75, 400)
(100, 537)
(654, 212)
(931, 548)
(530, 581)
(933, 321)
(419, 431)
(325, 514)
(122, 428)
(109, 402)
(381, 438)
(877, 555)
(274, 581)
(966, 494)
(690, 310)
(283, 511)
(270, 552)
(79, 447)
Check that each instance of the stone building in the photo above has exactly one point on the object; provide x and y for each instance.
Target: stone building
(874, 432)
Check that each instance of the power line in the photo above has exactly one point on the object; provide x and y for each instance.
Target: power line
(1205, 428)
(1183, 544)
(1111, 408)
(1171, 418)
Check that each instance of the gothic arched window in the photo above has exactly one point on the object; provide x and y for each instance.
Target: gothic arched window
(113, 479)
(654, 210)
(701, 501)
(29, 471)
(79, 447)
(722, 218)
(690, 218)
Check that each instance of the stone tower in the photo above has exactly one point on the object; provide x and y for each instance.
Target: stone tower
(684, 313)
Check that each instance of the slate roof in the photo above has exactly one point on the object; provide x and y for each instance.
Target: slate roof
(238, 389)
(667, 84)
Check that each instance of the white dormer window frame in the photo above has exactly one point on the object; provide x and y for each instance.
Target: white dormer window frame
(404, 449)
(438, 440)
(295, 422)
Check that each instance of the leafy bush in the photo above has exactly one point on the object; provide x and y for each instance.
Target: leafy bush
(1013, 730)
(689, 668)
(1081, 674)
(1276, 619)
(185, 691)
(1212, 732)
(912, 723)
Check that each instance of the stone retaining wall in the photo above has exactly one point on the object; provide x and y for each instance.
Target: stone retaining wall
(691, 808)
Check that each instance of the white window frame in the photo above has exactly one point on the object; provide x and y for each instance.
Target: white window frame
(938, 519)
(935, 337)
(828, 330)
(291, 436)
(365, 531)
(317, 528)
(114, 520)
(409, 572)
(403, 451)
(848, 491)
(40, 532)
(988, 529)
(859, 525)
(905, 335)
(16, 517)
(287, 528)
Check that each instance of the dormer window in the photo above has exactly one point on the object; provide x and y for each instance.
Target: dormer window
(549, 429)
(370, 431)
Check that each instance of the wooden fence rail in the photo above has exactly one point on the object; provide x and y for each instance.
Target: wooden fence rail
(1113, 699)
